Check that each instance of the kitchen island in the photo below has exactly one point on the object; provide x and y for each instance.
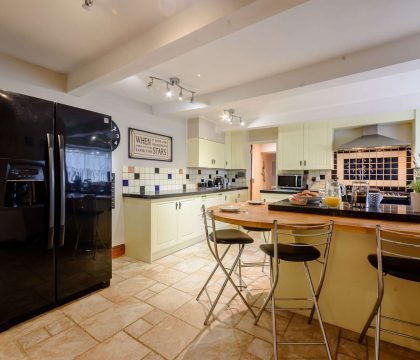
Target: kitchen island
(350, 285)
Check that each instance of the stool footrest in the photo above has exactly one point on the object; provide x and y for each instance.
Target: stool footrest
(256, 264)
(399, 334)
(401, 321)
(300, 343)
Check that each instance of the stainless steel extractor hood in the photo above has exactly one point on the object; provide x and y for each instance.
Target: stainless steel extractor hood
(372, 139)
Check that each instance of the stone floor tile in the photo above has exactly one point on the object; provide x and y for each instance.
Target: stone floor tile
(344, 357)
(352, 348)
(193, 283)
(127, 288)
(59, 325)
(158, 287)
(86, 307)
(193, 312)
(167, 277)
(191, 265)
(145, 294)
(120, 346)
(33, 338)
(138, 328)
(264, 328)
(261, 349)
(64, 346)
(218, 343)
(131, 270)
(116, 279)
(153, 356)
(167, 342)
(169, 299)
(155, 316)
(116, 318)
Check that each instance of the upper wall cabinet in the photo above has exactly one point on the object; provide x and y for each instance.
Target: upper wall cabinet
(205, 153)
(236, 148)
(305, 147)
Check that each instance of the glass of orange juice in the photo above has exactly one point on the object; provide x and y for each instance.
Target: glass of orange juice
(332, 201)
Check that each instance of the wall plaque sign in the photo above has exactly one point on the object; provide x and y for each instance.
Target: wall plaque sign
(149, 146)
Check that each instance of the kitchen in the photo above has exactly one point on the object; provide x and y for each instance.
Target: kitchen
(114, 142)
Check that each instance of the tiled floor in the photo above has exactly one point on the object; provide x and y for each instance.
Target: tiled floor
(150, 312)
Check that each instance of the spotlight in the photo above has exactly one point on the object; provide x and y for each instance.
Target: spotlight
(168, 93)
(241, 122)
(180, 97)
(87, 5)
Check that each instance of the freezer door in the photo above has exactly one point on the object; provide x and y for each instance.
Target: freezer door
(26, 254)
(83, 230)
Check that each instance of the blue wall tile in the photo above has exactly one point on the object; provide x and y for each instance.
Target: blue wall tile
(125, 182)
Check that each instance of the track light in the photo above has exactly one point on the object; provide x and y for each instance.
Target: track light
(87, 5)
(168, 93)
(173, 82)
(229, 115)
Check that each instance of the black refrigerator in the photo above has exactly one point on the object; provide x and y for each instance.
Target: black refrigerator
(55, 204)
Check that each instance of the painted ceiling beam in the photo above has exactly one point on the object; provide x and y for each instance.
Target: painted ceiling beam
(394, 57)
(203, 22)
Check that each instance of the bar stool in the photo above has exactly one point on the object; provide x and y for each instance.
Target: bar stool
(227, 237)
(298, 251)
(392, 258)
(264, 232)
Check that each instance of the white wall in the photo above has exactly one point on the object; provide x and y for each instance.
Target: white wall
(35, 81)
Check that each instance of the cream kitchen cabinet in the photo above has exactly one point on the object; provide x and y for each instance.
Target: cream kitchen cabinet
(158, 227)
(206, 153)
(305, 146)
(236, 150)
(273, 197)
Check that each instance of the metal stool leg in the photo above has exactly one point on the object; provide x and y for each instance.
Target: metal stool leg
(311, 288)
(270, 293)
(378, 334)
(212, 273)
(265, 255)
(273, 314)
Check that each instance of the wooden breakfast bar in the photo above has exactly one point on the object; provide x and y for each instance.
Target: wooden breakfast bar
(350, 287)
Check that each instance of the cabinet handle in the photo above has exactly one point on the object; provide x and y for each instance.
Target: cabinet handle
(180, 204)
(304, 163)
(300, 162)
(176, 205)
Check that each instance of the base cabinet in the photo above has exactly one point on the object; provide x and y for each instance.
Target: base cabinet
(159, 227)
(271, 197)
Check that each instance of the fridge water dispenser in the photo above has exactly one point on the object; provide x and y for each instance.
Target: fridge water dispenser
(25, 185)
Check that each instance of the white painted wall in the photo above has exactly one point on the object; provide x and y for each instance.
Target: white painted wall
(35, 81)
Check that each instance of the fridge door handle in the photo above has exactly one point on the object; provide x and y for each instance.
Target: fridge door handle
(50, 143)
(62, 190)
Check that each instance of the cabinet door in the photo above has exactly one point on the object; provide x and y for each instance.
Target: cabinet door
(166, 225)
(270, 197)
(219, 155)
(290, 147)
(228, 150)
(318, 143)
(243, 195)
(239, 149)
(190, 222)
(205, 153)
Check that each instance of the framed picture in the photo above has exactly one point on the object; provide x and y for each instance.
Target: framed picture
(149, 146)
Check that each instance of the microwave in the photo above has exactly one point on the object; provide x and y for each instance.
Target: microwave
(291, 181)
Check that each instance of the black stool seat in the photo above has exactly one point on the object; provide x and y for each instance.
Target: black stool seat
(292, 252)
(232, 236)
(254, 229)
(408, 269)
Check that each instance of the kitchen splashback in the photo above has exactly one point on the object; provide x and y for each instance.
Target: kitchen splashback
(146, 179)
(386, 168)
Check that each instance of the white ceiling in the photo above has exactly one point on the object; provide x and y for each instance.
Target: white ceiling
(306, 34)
(60, 34)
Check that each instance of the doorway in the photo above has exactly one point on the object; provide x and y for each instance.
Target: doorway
(263, 168)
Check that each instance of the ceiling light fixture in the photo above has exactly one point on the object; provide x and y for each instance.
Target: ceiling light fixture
(229, 116)
(173, 82)
(87, 5)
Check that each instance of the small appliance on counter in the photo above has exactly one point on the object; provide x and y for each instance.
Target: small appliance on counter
(219, 181)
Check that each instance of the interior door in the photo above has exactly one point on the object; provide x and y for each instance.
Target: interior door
(83, 196)
(26, 255)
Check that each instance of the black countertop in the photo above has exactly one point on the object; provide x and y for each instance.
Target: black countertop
(383, 212)
(188, 192)
(280, 191)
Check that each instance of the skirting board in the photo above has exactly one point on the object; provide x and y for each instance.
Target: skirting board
(118, 250)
